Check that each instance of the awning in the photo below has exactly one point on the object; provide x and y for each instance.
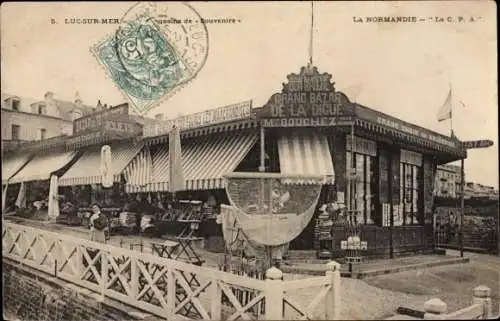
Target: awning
(41, 167)
(139, 172)
(305, 154)
(158, 181)
(205, 161)
(87, 169)
(11, 165)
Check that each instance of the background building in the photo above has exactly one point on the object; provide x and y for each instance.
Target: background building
(475, 190)
(447, 185)
(25, 119)
(447, 181)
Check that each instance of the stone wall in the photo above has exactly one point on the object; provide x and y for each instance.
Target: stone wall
(29, 297)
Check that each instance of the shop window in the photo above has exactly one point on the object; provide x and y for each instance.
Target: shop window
(410, 188)
(365, 186)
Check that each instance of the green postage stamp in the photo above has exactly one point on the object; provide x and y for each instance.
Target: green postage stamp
(158, 48)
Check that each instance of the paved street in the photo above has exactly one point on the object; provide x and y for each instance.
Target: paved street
(453, 284)
(376, 297)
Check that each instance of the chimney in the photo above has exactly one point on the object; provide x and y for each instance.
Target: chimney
(78, 99)
(159, 116)
(99, 106)
(49, 96)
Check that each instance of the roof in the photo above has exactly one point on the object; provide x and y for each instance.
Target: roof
(143, 120)
(25, 102)
(66, 108)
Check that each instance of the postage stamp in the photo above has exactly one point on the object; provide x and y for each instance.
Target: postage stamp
(158, 48)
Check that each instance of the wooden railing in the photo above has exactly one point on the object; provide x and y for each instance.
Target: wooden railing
(435, 309)
(481, 307)
(169, 288)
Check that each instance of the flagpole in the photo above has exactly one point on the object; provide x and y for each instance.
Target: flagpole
(311, 35)
(451, 111)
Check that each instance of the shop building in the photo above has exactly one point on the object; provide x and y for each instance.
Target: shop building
(309, 129)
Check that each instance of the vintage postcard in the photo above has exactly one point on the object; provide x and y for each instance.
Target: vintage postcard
(279, 160)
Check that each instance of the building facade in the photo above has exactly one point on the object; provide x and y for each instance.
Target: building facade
(448, 180)
(25, 119)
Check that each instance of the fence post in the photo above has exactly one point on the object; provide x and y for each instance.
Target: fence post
(274, 294)
(482, 295)
(434, 309)
(134, 277)
(79, 262)
(104, 273)
(216, 296)
(332, 299)
(171, 293)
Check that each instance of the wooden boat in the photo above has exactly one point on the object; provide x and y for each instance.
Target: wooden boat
(267, 210)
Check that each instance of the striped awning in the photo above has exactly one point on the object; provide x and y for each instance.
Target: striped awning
(86, 169)
(305, 154)
(158, 181)
(205, 161)
(41, 167)
(11, 165)
(140, 171)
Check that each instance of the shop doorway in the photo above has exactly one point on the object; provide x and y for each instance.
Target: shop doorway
(305, 240)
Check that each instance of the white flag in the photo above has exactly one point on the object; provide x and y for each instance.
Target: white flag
(445, 111)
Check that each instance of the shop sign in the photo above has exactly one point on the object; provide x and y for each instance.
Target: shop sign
(416, 131)
(308, 99)
(404, 127)
(308, 121)
(95, 120)
(219, 115)
(85, 139)
(126, 127)
(472, 144)
(362, 145)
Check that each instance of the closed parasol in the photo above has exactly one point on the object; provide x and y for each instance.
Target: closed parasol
(176, 172)
(53, 198)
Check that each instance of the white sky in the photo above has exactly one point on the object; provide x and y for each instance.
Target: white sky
(400, 69)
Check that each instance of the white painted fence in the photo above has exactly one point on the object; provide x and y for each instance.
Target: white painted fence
(481, 307)
(164, 287)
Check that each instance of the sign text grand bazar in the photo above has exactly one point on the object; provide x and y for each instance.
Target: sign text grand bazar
(306, 96)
